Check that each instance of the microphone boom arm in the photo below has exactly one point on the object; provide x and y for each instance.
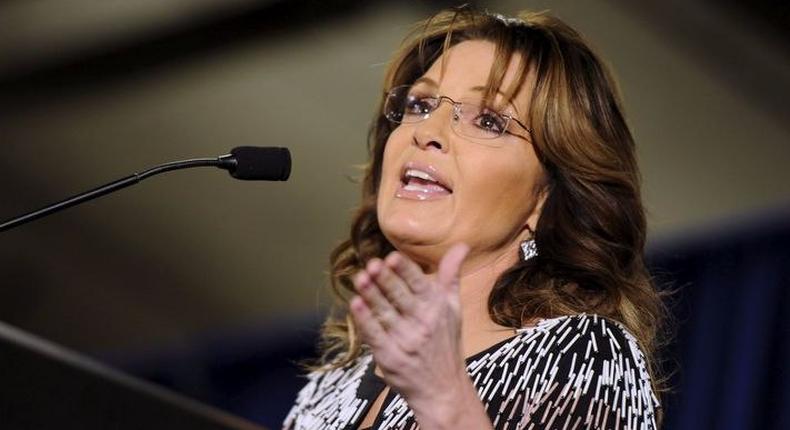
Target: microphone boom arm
(226, 162)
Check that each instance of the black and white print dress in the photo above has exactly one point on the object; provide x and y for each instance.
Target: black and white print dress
(572, 372)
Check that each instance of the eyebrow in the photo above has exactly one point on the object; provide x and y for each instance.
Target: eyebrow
(478, 88)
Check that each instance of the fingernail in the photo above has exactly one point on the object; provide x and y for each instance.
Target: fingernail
(360, 279)
(374, 266)
(356, 303)
(393, 259)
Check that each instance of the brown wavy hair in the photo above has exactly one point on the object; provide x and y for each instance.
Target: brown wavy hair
(591, 231)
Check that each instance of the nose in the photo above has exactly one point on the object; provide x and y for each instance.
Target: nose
(434, 131)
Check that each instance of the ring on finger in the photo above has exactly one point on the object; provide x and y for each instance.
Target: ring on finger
(386, 320)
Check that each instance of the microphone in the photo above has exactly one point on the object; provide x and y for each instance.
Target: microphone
(247, 163)
(251, 163)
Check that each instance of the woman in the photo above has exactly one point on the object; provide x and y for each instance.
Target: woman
(494, 277)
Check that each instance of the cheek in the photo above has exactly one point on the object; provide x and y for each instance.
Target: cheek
(500, 187)
(389, 181)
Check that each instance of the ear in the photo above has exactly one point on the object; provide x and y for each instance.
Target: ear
(532, 219)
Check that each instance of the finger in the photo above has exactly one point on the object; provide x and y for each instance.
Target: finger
(369, 327)
(381, 307)
(450, 267)
(409, 271)
(392, 286)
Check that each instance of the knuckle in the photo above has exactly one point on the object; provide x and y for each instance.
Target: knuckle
(410, 348)
(388, 360)
(388, 315)
(422, 333)
(421, 285)
(397, 296)
(408, 342)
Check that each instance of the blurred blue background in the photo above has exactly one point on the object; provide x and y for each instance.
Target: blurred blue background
(216, 288)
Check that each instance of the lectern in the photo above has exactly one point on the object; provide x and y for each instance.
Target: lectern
(46, 386)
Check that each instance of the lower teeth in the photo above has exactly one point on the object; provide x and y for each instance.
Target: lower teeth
(411, 187)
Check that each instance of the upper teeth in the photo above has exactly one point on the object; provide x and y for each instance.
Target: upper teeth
(420, 174)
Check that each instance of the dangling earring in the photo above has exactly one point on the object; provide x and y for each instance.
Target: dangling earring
(528, 248)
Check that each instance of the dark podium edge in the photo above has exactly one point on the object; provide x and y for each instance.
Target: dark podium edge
(45, 385)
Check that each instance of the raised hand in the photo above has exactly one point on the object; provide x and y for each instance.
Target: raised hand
(412, 323)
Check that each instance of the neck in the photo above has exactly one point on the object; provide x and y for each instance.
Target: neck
(478, 330)
(479, 273)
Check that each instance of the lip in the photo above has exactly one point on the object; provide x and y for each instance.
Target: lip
(423, 192)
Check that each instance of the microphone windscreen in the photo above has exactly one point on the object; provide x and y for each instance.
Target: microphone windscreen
(261, 164)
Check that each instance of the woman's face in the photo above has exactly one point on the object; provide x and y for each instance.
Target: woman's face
(491, 189)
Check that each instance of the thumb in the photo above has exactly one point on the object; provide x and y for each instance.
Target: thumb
(450, 267)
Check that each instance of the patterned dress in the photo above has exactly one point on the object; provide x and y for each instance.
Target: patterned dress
(572, 372)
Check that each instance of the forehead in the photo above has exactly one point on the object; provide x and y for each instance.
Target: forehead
(466, 67)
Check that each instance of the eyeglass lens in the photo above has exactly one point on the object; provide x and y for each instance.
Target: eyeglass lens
(404, 105)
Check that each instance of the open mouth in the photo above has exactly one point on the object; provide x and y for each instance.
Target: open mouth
(422, 183)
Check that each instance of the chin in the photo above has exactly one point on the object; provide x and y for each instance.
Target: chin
(419, 240)
(415, 228)
(407, 231)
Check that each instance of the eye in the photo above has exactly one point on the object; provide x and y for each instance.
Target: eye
(418, 105)
(491, 121)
